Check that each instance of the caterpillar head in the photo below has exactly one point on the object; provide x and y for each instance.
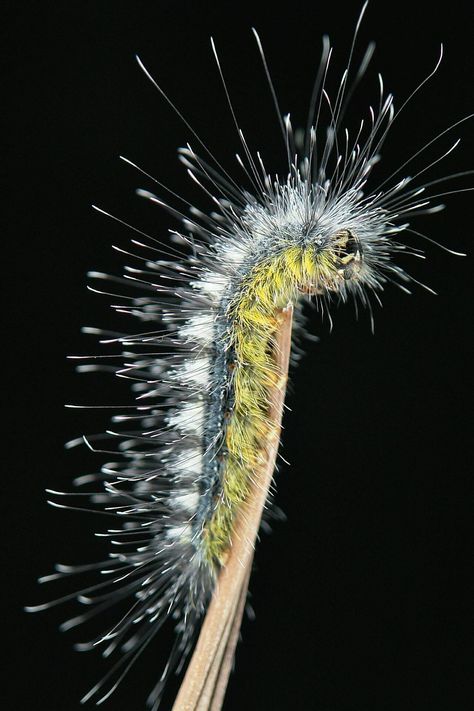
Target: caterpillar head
(348, 255)
(338, 264)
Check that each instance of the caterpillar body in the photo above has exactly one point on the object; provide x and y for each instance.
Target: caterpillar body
(203, 366)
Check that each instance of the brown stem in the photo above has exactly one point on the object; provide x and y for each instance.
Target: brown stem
(207, 675)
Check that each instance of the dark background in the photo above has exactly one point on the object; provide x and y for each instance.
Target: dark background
(361, 596)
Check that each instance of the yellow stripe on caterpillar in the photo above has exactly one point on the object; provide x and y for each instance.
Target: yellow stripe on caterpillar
(270, 286)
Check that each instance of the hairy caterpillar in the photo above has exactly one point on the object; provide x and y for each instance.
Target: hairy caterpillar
(330, 240)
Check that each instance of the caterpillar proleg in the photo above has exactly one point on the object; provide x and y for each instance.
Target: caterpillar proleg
(214, 306)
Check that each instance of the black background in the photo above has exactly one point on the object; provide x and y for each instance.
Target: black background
(361, 596)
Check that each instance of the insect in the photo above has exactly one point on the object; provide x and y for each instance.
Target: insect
(209, 356)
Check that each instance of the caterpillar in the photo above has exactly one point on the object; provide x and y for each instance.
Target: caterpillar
(203, 364)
